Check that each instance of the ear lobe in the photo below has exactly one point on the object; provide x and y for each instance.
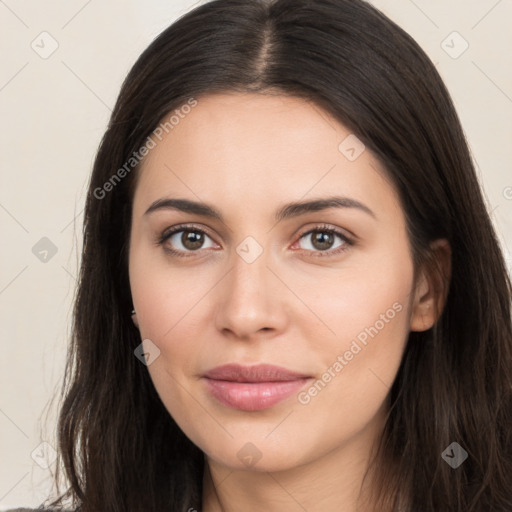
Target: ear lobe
(432, 287)
(134, 319)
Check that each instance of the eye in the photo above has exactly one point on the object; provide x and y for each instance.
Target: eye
(183, 239)
(324, 239)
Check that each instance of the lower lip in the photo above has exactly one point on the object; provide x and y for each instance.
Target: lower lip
(253, 396)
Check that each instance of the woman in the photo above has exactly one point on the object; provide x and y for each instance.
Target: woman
(321, 312)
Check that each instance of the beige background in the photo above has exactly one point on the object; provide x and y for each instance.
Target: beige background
(53, 113)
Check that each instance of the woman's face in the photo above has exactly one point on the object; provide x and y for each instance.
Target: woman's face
(290, 249)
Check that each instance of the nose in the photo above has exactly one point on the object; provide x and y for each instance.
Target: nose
(251, 300)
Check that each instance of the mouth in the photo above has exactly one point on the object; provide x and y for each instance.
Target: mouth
(252, 388)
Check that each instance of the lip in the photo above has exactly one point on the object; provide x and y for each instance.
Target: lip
(253, 388)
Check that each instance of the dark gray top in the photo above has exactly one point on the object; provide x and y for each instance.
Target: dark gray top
(37, 510)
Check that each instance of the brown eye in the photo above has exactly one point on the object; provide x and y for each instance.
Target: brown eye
(192, 240)
(187, 240)
(324, 240)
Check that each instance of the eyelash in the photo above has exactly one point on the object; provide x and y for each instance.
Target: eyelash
(348, 242)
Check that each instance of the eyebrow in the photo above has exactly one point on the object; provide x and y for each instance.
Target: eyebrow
(285, 212)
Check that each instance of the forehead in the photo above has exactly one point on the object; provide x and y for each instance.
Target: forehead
(272, 147)
(238, 125)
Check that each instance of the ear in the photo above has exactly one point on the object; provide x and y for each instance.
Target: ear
(432, 286)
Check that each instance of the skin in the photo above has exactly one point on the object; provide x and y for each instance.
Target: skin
(247, 155)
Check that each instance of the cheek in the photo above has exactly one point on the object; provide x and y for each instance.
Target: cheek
(361, 300)
(170, 319)
(367, 308)
(360, 363)
(165, 295)
(166, 300)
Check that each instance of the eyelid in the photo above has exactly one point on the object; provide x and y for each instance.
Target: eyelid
(345, 233)
(184, 227)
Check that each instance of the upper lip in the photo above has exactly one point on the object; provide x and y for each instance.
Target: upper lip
(256, 373)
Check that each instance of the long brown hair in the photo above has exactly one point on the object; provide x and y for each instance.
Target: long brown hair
(119, 448)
